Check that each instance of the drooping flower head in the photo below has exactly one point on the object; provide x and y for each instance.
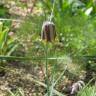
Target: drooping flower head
(48, 32)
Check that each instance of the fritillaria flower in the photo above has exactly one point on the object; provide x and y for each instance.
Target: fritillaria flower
(48, 32)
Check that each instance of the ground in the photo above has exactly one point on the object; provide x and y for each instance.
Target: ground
(19, 77)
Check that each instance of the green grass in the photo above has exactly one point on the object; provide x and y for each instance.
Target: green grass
(88, 91)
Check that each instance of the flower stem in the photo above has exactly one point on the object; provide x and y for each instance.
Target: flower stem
(46, 67)
(52, 11)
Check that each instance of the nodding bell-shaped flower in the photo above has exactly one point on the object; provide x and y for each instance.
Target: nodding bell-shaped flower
(48, 32)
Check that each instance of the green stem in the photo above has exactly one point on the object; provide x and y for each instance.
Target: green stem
(47, 80)
(52, 11)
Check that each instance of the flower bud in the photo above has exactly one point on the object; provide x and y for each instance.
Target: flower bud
(48, 32)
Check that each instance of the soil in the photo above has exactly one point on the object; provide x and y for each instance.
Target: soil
(13, 78)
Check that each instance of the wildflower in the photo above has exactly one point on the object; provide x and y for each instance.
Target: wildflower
(77, 86)
(48, 31)
(11, 33)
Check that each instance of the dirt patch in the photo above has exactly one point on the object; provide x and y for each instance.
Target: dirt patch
(15, 78)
